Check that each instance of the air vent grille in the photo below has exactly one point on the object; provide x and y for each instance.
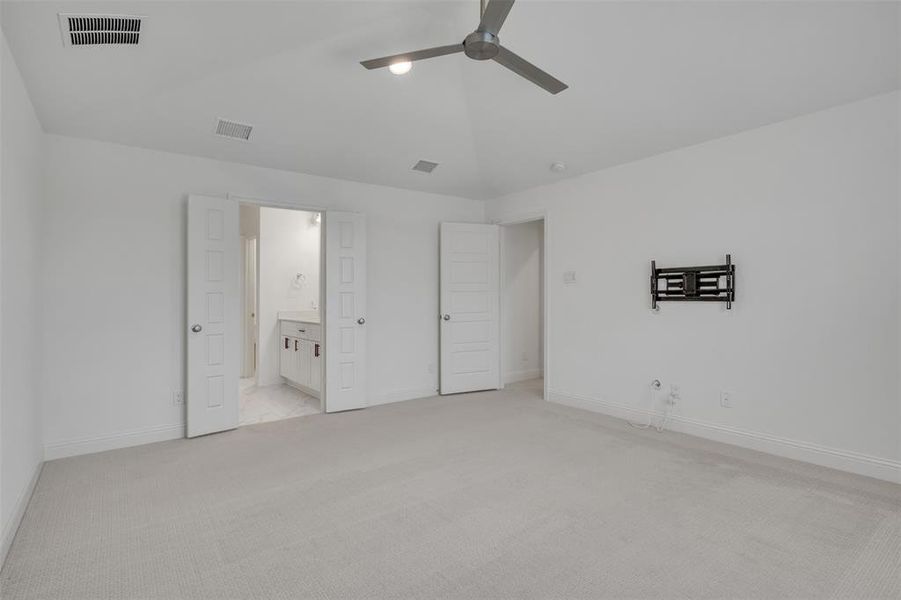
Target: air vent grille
(98, 30)
(232, 129)
(425, 166)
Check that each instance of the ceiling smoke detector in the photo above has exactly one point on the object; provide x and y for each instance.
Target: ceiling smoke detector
(233, 129)
(101, 30)
(425, 166)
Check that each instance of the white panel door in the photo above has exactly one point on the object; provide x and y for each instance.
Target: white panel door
(345, 311)
(470, 278)
(214, 315)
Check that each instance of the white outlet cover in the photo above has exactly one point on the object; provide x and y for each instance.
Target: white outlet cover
(726, 399)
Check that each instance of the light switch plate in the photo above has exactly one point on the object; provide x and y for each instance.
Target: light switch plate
(569, 277)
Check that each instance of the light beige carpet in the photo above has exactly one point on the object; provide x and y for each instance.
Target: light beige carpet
(493, 495)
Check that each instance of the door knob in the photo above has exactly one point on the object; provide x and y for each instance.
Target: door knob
(446, 317)
(196, 328)
(361, 320)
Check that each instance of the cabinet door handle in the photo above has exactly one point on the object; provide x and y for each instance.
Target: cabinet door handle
(295, 345)
(316, 350)
(286, 343)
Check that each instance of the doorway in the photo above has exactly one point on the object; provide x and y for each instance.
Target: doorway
(522, 302)
(330, 351)
(282, 341)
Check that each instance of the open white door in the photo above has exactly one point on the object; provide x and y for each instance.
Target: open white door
(470, 324)
(345, 310)
(214, 315)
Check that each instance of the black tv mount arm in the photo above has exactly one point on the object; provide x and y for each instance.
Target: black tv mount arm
(713, 283)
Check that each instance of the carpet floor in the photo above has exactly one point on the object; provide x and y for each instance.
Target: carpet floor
(490, 495)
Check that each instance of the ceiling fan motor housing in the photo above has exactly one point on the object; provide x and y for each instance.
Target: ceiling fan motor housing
(481, 45)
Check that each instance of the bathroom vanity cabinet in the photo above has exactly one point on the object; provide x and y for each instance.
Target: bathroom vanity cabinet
(300, 354)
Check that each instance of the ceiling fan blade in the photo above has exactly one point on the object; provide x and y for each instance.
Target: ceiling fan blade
(494, 15)
(377, 63)
(524, 68)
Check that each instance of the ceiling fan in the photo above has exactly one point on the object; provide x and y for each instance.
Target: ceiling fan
(481, 44)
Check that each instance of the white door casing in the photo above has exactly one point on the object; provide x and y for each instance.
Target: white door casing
(249, 321)
(345, 311)
(469, 310)
(214, 315)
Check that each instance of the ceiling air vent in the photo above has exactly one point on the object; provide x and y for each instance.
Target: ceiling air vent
(231, 129)
(100, 30)
(425, 166)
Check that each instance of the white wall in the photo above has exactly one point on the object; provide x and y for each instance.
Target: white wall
(809, 209)
(289, 244)
(114, 283)
(21, 168)
(521, 301)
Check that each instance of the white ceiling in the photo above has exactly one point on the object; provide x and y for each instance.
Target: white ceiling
(644, 78)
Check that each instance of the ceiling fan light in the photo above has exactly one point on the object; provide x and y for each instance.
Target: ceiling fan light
(400, 68)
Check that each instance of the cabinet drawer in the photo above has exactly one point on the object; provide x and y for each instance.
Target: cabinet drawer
(305, 331)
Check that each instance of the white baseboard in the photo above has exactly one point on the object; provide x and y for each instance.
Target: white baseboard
(402, 395)
(853, 462)
(90, 445)
(10, 528)
(514, 376)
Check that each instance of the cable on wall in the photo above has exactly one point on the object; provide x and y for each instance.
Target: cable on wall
(655, 387)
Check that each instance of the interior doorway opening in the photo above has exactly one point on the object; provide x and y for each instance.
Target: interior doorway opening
(328, 360)
(523, 299)
(282, 343)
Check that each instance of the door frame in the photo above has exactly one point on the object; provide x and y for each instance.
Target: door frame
(518, 218)
(262, 203)
(249, 327)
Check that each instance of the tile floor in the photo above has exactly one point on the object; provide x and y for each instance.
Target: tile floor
(273, 403)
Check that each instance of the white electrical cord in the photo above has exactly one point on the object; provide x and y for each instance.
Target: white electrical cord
(666, 410)
(655, 385)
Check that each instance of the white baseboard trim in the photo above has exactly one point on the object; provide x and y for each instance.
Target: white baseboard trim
(114, 441)
(514, 376)
(10, 528)
(843, 460)
(402, 395)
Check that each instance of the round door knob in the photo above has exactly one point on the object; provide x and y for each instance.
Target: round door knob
(196, 328)
(446, 317)
(361, 320)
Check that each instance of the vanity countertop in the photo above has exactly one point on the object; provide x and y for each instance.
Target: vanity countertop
(300, 316)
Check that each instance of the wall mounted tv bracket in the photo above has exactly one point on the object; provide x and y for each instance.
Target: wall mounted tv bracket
(715, 283)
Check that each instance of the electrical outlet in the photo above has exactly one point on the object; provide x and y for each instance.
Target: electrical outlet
(726, 399)
(178, 397)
